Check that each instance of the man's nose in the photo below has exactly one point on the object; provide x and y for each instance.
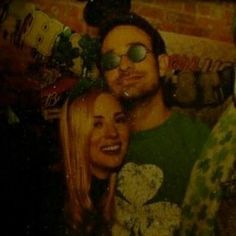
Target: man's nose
(125, 63)
(111, 131)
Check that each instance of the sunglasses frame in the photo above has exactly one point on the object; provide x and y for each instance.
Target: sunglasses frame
(128, 54)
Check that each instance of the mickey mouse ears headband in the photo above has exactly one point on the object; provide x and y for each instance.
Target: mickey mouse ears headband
(96, 11)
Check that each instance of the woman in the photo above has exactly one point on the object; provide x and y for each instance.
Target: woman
(94, 135)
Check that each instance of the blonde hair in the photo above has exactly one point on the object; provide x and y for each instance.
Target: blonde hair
(76, 123)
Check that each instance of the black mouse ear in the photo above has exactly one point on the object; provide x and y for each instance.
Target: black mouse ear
(96, 11)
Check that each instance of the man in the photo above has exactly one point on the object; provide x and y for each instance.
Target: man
(164, 144)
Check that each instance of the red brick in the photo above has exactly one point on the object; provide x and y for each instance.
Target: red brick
(216, 12)
(222, 34)
(173, 6)
(136, 7)
(152, 12)
(204, 9)
(174, 17)
(205, 22)
(168, 27)
(190, 8)
(228, 16)
(193, 30)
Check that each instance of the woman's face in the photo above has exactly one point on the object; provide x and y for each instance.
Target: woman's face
(109, 137)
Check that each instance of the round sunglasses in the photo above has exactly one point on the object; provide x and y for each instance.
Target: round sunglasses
(136, 53)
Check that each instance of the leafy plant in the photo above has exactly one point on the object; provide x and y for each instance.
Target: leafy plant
(63, 52)
(89, 53)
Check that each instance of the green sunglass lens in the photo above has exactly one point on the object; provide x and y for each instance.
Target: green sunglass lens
(110, 61)
(137, 53)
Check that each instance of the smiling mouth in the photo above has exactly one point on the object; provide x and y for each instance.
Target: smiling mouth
(127, 80)
(111, 149)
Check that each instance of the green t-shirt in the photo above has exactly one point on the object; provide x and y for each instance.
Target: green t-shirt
(152, 183)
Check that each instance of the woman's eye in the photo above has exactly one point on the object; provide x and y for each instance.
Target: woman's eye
(97, 124)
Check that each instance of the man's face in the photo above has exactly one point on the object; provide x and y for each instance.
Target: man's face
(134, 73)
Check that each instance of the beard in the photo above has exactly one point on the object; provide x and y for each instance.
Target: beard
(129, 101)
(135, 95)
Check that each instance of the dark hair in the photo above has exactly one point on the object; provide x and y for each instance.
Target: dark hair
(158, 44)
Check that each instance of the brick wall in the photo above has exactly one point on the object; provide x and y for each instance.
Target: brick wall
(68, 12)
(179, 21)
(208, 19)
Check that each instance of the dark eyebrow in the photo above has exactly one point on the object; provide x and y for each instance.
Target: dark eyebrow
(137, 43)
(119, 113)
